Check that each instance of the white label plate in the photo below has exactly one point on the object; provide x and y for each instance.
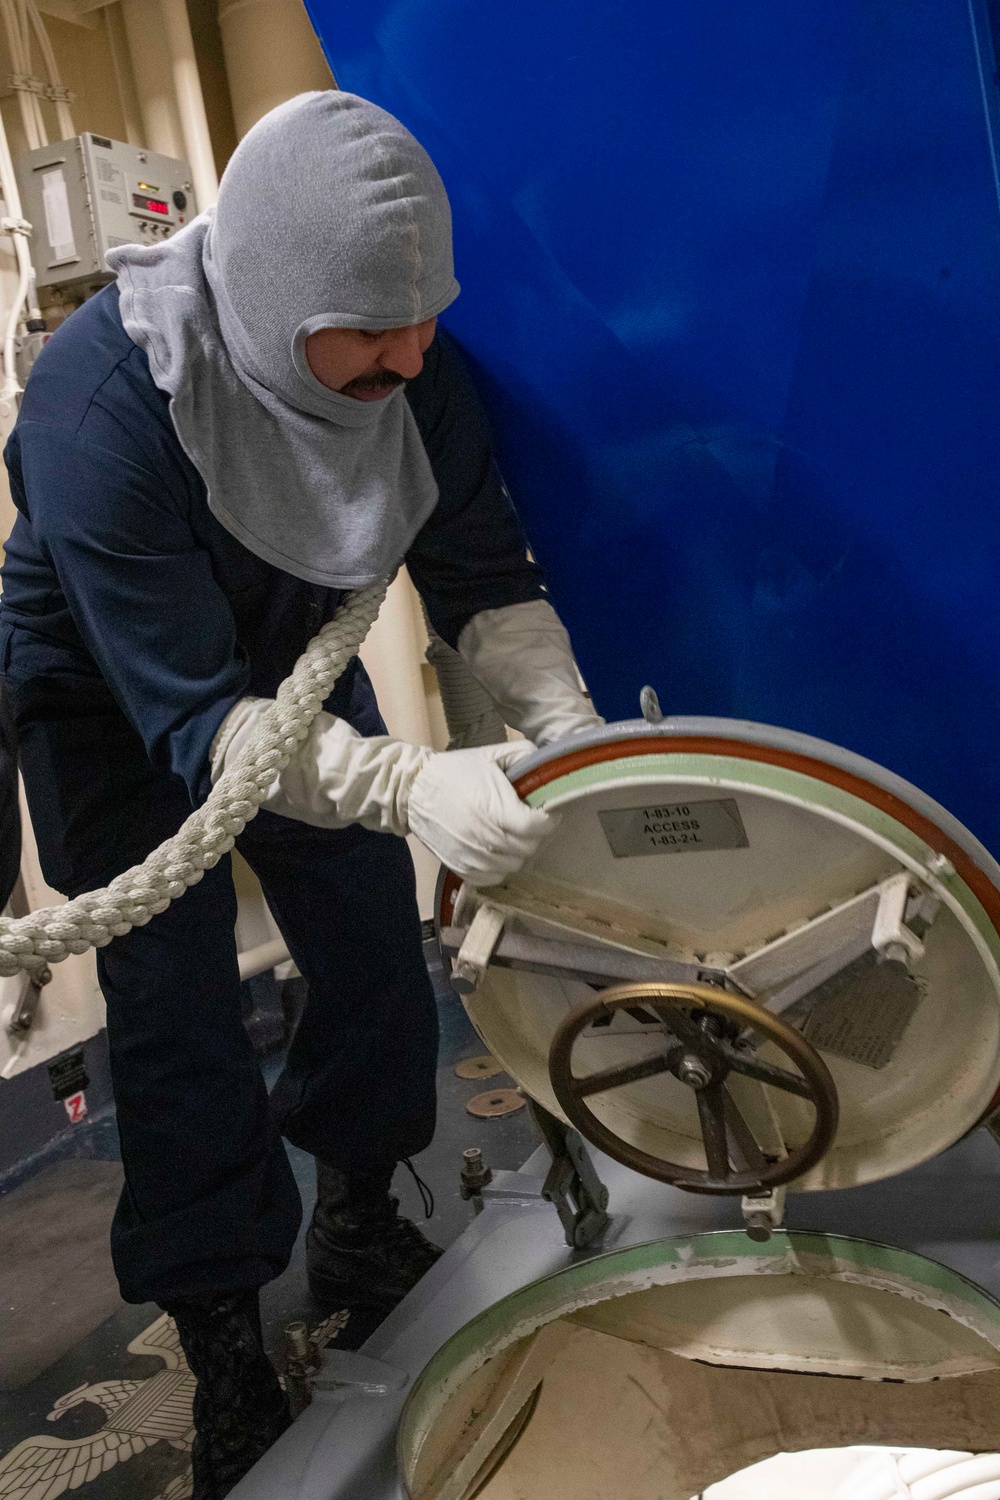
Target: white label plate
(58, 221)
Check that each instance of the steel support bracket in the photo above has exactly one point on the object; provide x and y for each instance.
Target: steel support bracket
(483, 935)
(572, 1185)
(21, 1015)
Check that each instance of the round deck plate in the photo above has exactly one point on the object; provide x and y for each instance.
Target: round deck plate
(705, 840)
(495, 1102)
(478, 1067)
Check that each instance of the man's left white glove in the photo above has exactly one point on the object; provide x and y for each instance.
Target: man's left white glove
(522, 656)
(457, 802)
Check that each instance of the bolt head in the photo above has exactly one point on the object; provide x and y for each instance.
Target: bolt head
(693, 1071)
(759, 1228)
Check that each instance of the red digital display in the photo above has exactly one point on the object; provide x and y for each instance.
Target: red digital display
(151, 205)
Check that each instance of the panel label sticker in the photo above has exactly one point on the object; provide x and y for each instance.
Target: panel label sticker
(76, 1107)
(58, 221)
(68, 1074)
(674, 827)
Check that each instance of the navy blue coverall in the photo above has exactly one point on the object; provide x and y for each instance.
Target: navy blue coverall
(131, 622)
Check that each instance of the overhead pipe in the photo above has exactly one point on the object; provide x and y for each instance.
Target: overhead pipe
(19, 10)
(271, 53)
(59, 94)
(114, 27)
(149, 53)
(20, 55)
(17, 227)
(190, 102)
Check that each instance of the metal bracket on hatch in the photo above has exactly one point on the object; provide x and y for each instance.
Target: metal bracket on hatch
(572, 1185)
(477, 947)
(789, 977)
(479, 936)
(883, 925)
(763, 1212)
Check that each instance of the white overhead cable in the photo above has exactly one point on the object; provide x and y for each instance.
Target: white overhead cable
(23, 81)
(55, 91)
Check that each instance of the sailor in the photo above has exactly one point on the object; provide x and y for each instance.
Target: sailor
(259, 415)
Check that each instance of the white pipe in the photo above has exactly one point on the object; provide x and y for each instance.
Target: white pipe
(63, 113)
(114, 28)
(29, 122)
(190, 102)
(10, 386)
(26, 273)
(265, 956)
(272, 53)
(33, 99)
(30, 115)
(8, 177)
(150, 59)
(34, 132)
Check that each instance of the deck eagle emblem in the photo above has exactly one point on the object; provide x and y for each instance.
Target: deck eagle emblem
(139, 1414)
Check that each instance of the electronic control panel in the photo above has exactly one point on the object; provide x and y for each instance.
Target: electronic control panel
(85, 196)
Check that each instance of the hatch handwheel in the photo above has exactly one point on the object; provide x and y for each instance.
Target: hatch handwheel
(708, 1035)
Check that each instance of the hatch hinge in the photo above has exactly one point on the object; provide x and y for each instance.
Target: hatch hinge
(572, 1185)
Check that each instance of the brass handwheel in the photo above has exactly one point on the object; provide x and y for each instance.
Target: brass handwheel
(707, 1041)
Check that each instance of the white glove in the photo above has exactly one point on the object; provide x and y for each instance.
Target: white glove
(459, 803)
(522, 656)
(467, 813)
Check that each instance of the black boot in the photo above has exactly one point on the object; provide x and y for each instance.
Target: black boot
(239, 1406)
(360, 1254)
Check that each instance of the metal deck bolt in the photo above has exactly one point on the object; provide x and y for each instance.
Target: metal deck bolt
(475, 1176)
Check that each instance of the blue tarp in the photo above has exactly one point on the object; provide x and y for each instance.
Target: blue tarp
(731, 281)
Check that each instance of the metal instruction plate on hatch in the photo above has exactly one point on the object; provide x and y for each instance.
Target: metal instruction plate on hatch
(674, 827)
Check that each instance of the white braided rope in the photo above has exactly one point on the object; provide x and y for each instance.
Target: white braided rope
(91, 921)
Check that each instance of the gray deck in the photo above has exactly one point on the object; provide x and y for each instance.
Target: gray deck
(343, 1446)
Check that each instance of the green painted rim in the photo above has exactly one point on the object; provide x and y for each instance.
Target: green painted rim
(761, 777)
(901, 1272)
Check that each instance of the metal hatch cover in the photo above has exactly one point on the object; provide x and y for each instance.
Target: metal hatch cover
(851, 906)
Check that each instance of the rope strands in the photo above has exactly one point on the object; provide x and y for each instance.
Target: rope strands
(51, 934)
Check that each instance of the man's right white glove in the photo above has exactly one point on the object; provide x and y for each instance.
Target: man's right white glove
(457, 802)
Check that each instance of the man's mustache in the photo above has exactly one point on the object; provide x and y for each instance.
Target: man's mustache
(382, 380)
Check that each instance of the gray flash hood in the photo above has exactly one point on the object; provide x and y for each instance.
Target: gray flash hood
(330, 215)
